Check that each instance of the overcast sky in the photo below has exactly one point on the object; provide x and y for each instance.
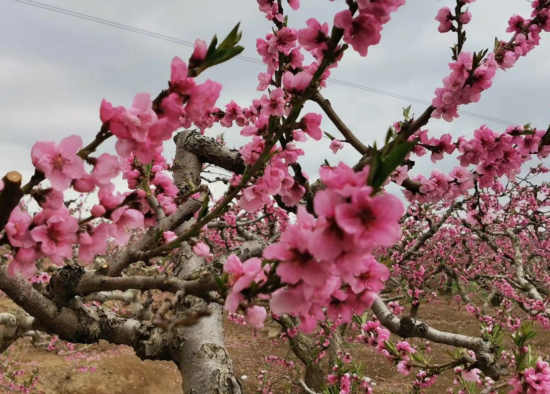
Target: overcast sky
(55, 69)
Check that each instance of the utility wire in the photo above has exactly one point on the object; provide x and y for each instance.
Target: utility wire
(244, 58)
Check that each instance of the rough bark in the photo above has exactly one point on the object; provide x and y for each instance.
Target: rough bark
(407, 327)
(78, 323)
(305, 349)
(202, 358)
(9, 196)
(203, 361)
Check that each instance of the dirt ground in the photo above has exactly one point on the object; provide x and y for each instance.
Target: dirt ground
(103, 368)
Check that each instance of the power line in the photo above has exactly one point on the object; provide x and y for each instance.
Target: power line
(244, 58)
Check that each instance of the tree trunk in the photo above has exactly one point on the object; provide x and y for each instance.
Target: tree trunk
(203, 361)
(306, 350)
(202, 358)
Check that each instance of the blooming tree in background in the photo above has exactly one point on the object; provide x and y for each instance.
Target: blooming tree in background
(312, 254)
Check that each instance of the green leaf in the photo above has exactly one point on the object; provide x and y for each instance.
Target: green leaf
(387, 164)
(212, 47)
(407, 112)
(390, 347)
(232, 38)
(418, 357)
(217, 54)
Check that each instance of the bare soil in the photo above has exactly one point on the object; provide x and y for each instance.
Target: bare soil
(107, 369)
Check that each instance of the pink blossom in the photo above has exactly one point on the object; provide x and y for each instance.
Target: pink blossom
(284, 40)
(106, 167)
(125, 219)
(255, 316)
(169, 236)
(93, 242)
(233, 113)
(314, 38)
(444, 17)
(345, 384)
(59, 163)
(296, 83)
(380, 10)
(17, 228)
(360, 32)
(139, 130)
(275, 105)
(241, 277)
(297, 262)
(85, 184)
(294, 4)
(108, 197)
(472, 375)
(465, 17)
(179, 80)
(253, 198)
(342, 179)
(332, 378)
(202, 250)
(336, 145)
(98, 210)
(56, 233)
(310, 124)
(370, 277)
(403, 367)
(24, 263)
(372, 220)
(202, 100)
(264, 80)
(199, 51)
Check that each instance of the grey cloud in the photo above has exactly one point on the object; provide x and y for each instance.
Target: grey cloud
(55, 69)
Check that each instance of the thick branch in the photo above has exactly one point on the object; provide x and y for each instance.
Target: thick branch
(408, 327)
(91, 283)
(340, 125)
(133, 252)
(520, 271)
(9, 196)
(85, 324)
(207, 150)
(13, 326)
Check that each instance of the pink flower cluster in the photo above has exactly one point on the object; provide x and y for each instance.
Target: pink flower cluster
(282, 41)
(374, 334)
(405, 350)
(363, 30)
(161, 185)
(138, 128)
(275, 180)
(445, 18)
(326, 262)
(53, 231)
(464, 85)
(424, 380)
(493, 154)
(141, 130)
(526, 34)
(241, 276)
(272, 10)
(532, 380)
(59, 163)
(283, 45)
